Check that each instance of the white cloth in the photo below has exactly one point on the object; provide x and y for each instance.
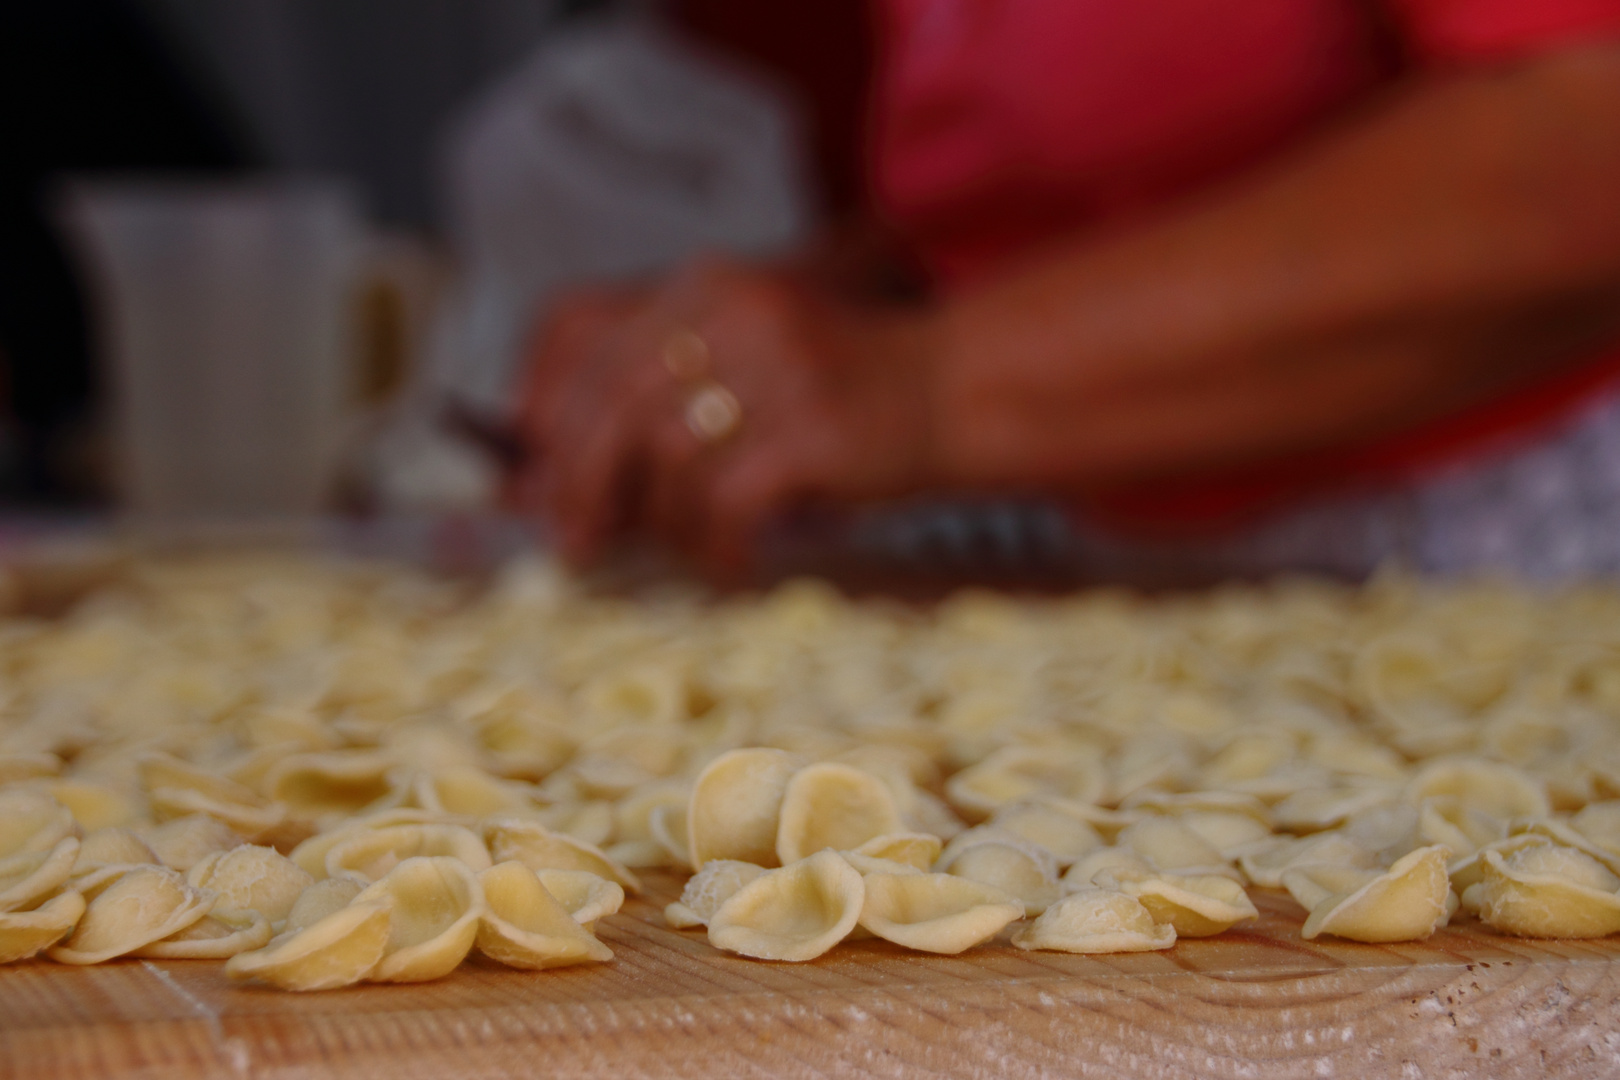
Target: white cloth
(615, 152)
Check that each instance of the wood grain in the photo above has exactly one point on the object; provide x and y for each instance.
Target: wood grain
(1257, 1003)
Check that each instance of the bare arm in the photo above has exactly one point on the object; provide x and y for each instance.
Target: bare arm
(1456, 238)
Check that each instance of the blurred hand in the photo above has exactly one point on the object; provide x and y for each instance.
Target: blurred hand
(1457, 242)
(834, 405)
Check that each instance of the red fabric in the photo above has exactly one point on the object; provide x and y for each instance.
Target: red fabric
(1462, 30)
(1000, 125)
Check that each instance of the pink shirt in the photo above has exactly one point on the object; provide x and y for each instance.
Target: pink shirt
(1001, 125)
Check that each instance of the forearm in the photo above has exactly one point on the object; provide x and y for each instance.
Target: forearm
(1455, 238)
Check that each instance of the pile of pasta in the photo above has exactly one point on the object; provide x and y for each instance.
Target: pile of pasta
(327, 772)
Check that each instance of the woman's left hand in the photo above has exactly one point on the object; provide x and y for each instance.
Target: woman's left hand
(698, 411)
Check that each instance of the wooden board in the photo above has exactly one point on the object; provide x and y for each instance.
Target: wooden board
(1255, 1003)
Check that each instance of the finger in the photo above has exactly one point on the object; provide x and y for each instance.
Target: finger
(745, 493)
(678, 463)
(625, 383)
(581, 489)
(603, 445)
(579, 334)
(563, 338)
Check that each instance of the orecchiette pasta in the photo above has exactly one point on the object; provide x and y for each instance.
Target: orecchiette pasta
(215, 750)
(669, 830)
(1313, 809)
(435, 904)
(31, 820)
(213, 937)
(332, 783)
(1563, 833)
(176, 789)
(539, 848)
(833, 806)
(1085, 869)
(109, 846)
(1545, 890)
(1045, 824)
(1407, 902)
(1169, 844)
(736, 806)
(27, 933)
(1013, 866)
(1599, 822)
(1196, 905)
(938, 913)
(870, 864)
(1264, 864)
(469, 790)
(916, 850)
(1449, 821)
(1017, 774)
(1469, 871)
(311, 854)
(29, 877)
(372, 853)
(137, 907)
(184, 842)
(251, 879)
(632, 823)
(96, 806)
(320, 900)
(1493, 788)
(337, 950)
(585, 896)
(1228, 832)
(707, 889)
(524, 926)
(796, 912)
(1096, 920)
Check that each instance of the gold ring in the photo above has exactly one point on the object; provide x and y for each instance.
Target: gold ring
(713, 413)
(686, 355)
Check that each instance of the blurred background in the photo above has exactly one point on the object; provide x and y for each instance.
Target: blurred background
(391, 190)
(285, 260)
